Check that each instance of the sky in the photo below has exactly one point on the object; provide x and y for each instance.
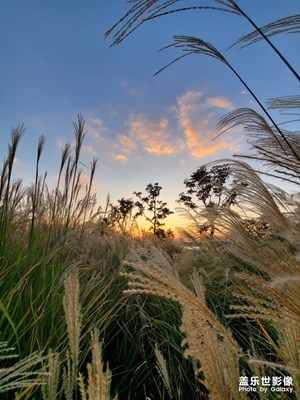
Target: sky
(56, 64)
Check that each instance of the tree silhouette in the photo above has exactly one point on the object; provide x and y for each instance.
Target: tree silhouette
(121, 217)
(153, 209)
(212, 188)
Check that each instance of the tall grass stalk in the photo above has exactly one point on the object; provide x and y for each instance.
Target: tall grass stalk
(6, 180)
(99, 381)
(170, 336)
(74, 175)
(50, 388)
(73, 315)
(208, 341)
(143, 11)
(38, 188)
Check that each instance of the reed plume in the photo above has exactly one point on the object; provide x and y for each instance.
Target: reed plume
(99, 379)
(163, 370)
(20, 374)
(73, 315)
(207, 340)
(50, 389)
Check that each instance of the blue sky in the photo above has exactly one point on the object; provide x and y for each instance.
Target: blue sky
(55, 64)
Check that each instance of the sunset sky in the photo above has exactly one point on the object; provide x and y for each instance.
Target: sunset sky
(56, 64)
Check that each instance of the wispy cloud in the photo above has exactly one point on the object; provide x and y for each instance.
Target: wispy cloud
(125, 143)
(128, 88)
(89, 149)
(153, 135)
(219, 102)
(95, 127)
(197, 114)
(120, 157)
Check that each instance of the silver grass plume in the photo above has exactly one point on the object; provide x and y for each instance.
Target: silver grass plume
(190, 45)
(145, 10)
(283, 103)
(50, 389)
(21, 374)
(290, 24)
(220, 353)
(73, 315)
(280, 151)
(163, 370)
(99, 380)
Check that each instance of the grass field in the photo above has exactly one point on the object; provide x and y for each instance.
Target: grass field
(89, 313)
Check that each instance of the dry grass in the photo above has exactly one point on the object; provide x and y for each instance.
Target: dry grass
(99, 380)
(72, 309)
(50, 389)
(207, 340)
(52, 241)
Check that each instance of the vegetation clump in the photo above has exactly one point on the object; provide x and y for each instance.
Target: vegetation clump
(89, 311)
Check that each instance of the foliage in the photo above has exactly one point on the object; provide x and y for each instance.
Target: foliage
(208, 186)
(120, 217)
(153, 209)
(123, 216)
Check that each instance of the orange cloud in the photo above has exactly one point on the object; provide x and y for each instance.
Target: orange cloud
(196, 115)
(153, 135)
(125, 143)
(159, 148)
(120, 157)
(219, 102)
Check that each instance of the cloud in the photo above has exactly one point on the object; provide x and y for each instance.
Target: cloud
(126, 86)
(89, 149)
(95, 126)
(153, 135)
(196, 115)
(219, 102)
(120, 157)
(125, 143)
